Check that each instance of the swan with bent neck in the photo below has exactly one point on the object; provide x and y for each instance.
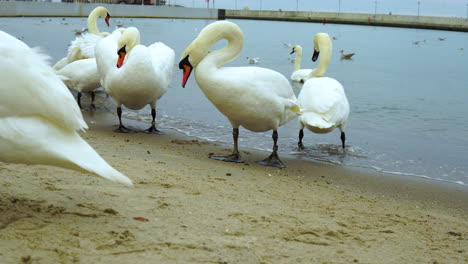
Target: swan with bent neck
(39, 120)
(83, 46)
(132, 74)
(256, 98)
(322, 99)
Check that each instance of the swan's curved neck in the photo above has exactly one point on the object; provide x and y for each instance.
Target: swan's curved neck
(228, 32)
(325, 55)
(297, 59)
(92, 22)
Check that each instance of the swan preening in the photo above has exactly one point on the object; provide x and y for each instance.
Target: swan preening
(322, 99)
(299, 75)
(83, 46)
(132, 74)
(258, 99)
(39, 118)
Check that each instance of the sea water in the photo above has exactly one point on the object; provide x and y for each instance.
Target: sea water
(406, 87)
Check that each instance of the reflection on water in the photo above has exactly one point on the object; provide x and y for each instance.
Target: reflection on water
(408, 102)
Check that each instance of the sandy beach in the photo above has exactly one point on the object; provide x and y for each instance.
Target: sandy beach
(187, 208)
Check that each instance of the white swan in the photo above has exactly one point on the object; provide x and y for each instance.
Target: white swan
(258, 99)
(133, 74)
(322, 99)
(39, 119)
(81, 76)
(299, 75)
(83, 46)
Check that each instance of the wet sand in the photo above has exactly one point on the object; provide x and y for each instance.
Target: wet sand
(198, 210)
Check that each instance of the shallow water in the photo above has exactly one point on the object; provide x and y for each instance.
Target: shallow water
(408, 113)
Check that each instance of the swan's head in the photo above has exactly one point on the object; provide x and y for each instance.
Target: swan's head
(192, 56)
(127, 41)
(296, 48)
(101, 12)
(321, 41)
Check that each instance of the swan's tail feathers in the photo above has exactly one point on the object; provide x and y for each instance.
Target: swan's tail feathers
(36, 140)
(316, 122)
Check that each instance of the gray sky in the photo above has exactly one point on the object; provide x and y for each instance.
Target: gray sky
(452, 8)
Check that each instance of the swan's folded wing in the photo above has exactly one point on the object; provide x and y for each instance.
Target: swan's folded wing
(30, 86)
(163, 59)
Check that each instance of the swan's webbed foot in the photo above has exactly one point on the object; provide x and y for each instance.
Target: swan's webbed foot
(273, 160)
(153, 130)
(123, 129)
(300, 146)
(236, 158)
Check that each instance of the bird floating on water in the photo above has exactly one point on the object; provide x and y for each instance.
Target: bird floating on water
(346, 56)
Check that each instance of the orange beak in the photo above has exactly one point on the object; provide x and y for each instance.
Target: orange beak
(107, 19)
(187, 69)
(122, 52)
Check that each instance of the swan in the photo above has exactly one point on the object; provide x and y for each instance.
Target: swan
(83, 77)
(83, 46)
(322, 99)
(299, 75)
(132, 74)
(348, 56)
(258, 99)
(39, 119)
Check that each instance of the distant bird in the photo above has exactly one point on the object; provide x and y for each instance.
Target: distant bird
(416, 42)
(335, 38)
(134, 75)
(347, 56)
(255, 60)
(39, 119)
(322, 100)
(441, 38)
(287, 45)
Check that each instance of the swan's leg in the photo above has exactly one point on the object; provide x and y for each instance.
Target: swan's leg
(78, 99)
(273, 160)
(153, 129)
(301, 135)
(121, 128)
(235, 156)
(343, 139)
(92, 106)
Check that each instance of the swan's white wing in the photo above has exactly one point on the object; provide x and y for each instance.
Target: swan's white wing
(35, 140)
(29, 86)
(324, 96)
(83, 47)
(163, 61)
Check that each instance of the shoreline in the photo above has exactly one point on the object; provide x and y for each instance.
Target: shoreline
(448, 194)
(187, 208)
